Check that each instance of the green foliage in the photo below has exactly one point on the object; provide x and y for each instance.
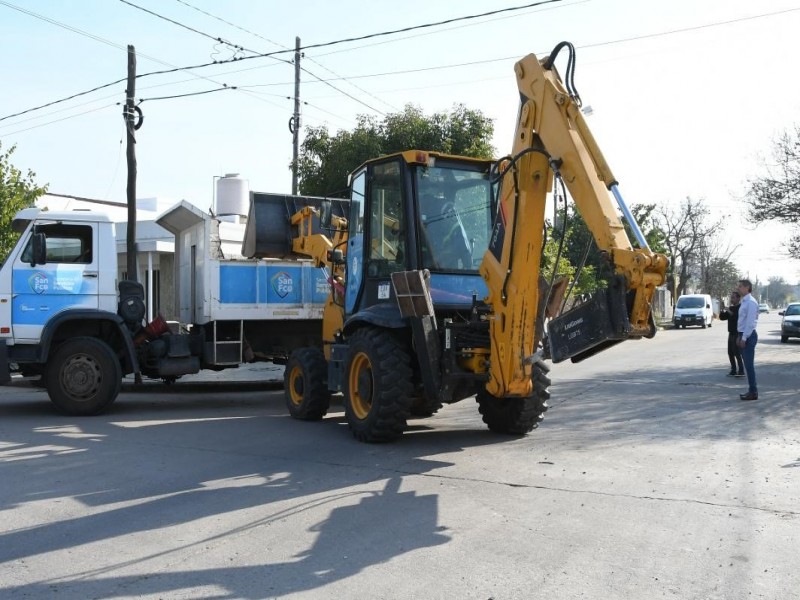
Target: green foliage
(579, 241)
(721, 277)
(776, 292)
(325, 160)
(648, 223)
(17, 191)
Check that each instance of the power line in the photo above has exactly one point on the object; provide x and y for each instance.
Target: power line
(231, 24)
(189, 68)
(63, 25)
(239, 47)
(179, 24)
(408, 37)
(222, 89)
(62, 119)
(287, 48)
(380, 112)
(263, 55)
(103, 40)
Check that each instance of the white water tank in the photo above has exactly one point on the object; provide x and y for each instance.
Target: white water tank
(233, 197)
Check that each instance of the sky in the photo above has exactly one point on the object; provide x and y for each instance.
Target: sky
(687, 96)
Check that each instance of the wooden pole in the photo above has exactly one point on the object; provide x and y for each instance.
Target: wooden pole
(296, 116)
(130, 116)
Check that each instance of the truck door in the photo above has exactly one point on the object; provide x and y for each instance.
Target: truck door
(355, 243)
(68, 279)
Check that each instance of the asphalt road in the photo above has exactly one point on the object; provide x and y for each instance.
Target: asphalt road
(648, 479)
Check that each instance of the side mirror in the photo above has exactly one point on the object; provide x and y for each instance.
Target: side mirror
(336, 256)
(780, 313)
(708, 306)
(325, 214)
(39, 248)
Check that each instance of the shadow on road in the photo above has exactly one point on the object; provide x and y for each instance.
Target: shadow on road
(182, 463)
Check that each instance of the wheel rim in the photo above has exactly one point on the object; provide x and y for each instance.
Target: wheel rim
(81, 377)
(360, 385)
(296, 386)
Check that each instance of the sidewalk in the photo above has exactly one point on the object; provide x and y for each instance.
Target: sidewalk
(246, 377)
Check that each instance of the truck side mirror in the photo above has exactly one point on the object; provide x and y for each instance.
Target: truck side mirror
(39, 249)
(336, 256)
(325, 214)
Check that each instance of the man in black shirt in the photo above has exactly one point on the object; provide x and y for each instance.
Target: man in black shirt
(731, 315)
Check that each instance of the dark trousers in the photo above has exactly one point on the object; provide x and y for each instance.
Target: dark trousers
(735, 354)
(749, 357)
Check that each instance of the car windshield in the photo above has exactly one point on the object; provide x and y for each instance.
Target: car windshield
(792, 310)
(690, 302)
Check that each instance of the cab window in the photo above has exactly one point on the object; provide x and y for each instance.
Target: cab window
(65, 244)
(387, 221)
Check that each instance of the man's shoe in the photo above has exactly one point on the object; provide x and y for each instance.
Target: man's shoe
(748, 396)
(739, 375)
(732, 374)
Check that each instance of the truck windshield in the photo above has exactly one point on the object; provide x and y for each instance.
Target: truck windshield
(690, 303)
(455, 213)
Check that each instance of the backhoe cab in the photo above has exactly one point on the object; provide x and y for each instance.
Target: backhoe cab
(436, 293)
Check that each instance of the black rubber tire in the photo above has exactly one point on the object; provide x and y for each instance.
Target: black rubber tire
(83, 376)
(517, 416)
(305, 384)
(378, 385)
(784, 339)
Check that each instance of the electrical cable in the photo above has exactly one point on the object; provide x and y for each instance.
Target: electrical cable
(222, 89)
(242, 48)
(263, 55)
(191, 67)
(179, 24)
(234, 25)
(286, 48)
(61, 119)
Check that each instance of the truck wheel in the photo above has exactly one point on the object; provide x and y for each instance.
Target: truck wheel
(517, 416)
(305, 384)
(83, 376)
(378, 385)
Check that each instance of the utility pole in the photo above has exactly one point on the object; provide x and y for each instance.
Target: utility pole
(130, 127)
(294, 122)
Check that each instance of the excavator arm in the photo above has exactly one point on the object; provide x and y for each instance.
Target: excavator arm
(552, 142)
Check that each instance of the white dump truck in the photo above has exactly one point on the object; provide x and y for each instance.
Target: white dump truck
(66, 314)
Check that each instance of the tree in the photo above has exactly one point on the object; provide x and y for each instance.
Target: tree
(777, 292)
(686, 232)
(17, 191)
(713, 267)
(720, 278)
(579, 242)
(325, 160)
(776, 195)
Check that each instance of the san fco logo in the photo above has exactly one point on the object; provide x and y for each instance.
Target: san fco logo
(39, 282)
(282, 283)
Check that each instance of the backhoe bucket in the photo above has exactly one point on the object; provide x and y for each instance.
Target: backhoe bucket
(595, 325)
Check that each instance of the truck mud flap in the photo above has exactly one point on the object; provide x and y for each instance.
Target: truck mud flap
(5, 373)
(597, 324)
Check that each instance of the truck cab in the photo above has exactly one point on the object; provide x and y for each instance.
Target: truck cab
(79, 271)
